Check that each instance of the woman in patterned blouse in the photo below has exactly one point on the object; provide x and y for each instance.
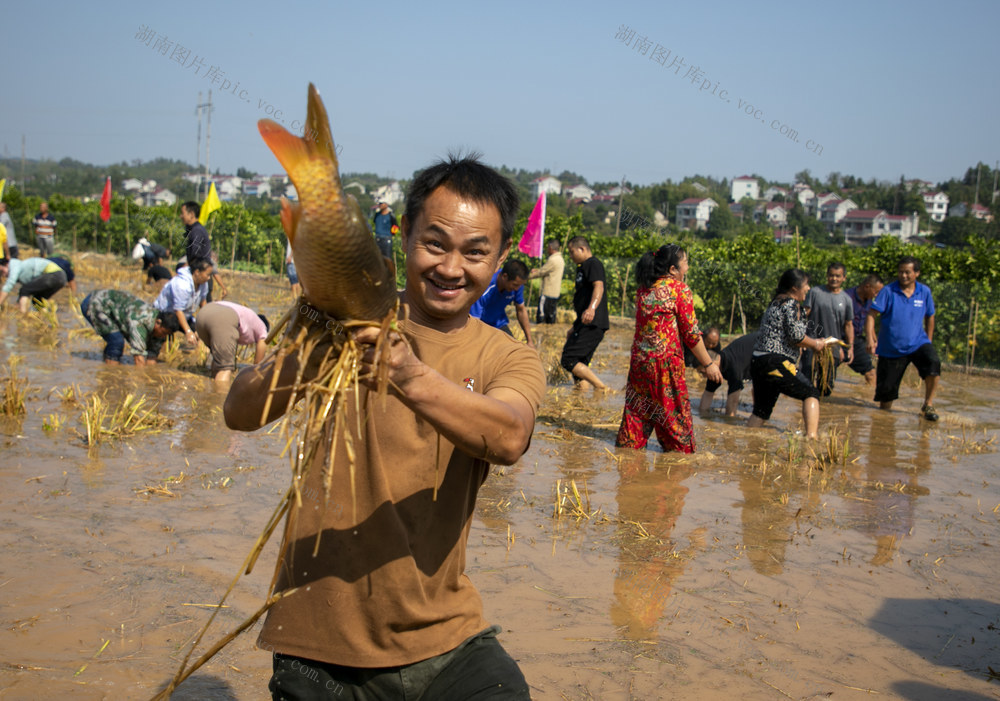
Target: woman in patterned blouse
(656, 396)
(775, 355)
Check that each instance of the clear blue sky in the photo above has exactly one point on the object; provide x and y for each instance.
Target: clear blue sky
(885, 88)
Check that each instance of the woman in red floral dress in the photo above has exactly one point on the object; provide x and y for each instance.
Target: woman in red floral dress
(656, 396)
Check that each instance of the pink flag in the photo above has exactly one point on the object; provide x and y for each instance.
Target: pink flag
(106, 200)
(534, 232)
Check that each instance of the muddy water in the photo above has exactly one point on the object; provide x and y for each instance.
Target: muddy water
(752, 569)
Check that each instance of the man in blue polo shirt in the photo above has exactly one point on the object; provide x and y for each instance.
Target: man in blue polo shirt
(906, 330)
(506, 286)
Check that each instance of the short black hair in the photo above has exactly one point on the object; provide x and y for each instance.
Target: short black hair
(267, 324)
(192, 207)
(515, 270)
(467, 177)
(553, 244)
(910, 259)
(169, 321)
(872, 279)
(199, 264)
(579, 242)
(836, 265)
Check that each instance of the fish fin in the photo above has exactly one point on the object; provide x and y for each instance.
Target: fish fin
(290, 150)
(291, 212)
(318, 125)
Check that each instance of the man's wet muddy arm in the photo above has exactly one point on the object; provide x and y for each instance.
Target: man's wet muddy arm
(870, 341)
(495, 426)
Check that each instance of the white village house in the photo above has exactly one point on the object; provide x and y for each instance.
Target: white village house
(579, 192)
(257, 188)
(977, 210)
(813, 209)
(548, 185)
(390, 194)
(744, 186)
(832, 212)
(936, 204)
(775, 192)
(804, 194)
(693, 213)
(876, 222)
(773, 213)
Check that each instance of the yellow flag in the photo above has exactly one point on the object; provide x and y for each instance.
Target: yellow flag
(210, 204)
(3, 229)
(2, 183)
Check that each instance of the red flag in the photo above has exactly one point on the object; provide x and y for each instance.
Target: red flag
(106, 201)
(534, 232)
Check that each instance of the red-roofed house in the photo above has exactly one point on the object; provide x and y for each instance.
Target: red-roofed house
(258, 188)
(693, 213)
(976, 210)
(875, 222)
(744, 186)
(936, 204)
(902, 226)
(818, 201)
(864, 222)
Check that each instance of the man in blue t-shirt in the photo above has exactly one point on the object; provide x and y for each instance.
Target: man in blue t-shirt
(506, 286)
(384, 224)
(906, 330)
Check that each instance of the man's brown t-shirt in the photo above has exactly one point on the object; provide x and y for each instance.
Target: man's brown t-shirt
(389, 588)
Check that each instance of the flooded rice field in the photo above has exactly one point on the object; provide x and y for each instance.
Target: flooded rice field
(761, 567)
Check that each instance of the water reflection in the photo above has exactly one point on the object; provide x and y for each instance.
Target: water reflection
(650, 498)
(884, 506)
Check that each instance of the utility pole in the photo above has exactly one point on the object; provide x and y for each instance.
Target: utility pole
(979, 169)
(621, 206)
(197, 112)
(206, 109)
(24, 186)
(996, 172)
(208, 139)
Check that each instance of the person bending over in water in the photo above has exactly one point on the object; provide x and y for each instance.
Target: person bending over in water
(224, 326)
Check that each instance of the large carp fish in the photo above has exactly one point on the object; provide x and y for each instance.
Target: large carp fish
(341, 269)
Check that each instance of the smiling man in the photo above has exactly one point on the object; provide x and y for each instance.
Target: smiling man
(382, 606)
